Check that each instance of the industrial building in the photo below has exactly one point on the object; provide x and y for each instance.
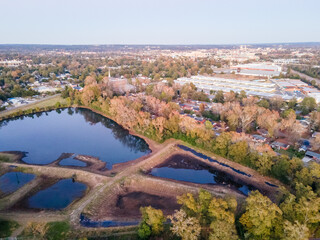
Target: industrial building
(255, 87)
(257, 69)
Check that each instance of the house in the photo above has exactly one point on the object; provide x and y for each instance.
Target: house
(259, 138)
(263, 132)
(315, 134)
(280, 145)
(311, 156)
(303, 148)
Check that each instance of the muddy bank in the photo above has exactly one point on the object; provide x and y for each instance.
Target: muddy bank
(236, 172)
(14, 156)
(90, 163)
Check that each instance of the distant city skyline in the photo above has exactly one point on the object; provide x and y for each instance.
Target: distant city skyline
(76, 22)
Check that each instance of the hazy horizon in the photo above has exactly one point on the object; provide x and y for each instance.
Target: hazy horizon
(142, 22)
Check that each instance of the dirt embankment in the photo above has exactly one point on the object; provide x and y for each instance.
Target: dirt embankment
(256, 179)
(123, 201)
(93, 164)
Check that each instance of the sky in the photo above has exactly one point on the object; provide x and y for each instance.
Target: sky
(159, 21)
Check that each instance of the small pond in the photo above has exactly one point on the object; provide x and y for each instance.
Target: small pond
(58, 196)
(72, 162)
(45, 136)
(12, 181)
(185, 168)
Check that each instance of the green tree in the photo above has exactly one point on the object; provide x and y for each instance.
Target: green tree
(197, 206)
(221, 144)
(308, 104)
(223, 220)
(152, 222)
(292, 103)
(261, 218)
(208, 125)
(238, 151)
(264, 164)
(219, 97)
(264, 103)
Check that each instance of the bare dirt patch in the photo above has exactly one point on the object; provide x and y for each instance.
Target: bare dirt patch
(124, 200)
(130, 203)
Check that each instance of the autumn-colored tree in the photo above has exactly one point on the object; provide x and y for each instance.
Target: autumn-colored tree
(90, 80)
(295, 231)
(249, 101)
(229, 96)
(188, 228)
(315, 143)
(315, 121)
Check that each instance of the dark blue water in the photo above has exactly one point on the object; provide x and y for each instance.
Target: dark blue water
(186, 168)
(12, 181)
(58, 196)
(45, 136)
(188, 175)
(72, 162)
(205, 157)
(87, 222)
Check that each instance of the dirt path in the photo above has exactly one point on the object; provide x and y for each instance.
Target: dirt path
(18, 231)
(75, 214)
(10, 200)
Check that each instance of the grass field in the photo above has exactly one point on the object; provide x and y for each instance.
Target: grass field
(7, 157)
(50, 101)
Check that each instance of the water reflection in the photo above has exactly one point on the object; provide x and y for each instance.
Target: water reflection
(185, 168)
(58, 196)
(12, 181)
(45, 136)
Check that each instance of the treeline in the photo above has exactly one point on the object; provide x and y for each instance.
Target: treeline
(308, 70)
(206, 217)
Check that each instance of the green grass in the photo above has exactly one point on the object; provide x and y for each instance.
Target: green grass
(7, 227)
(58, 231)
(291, 152)
(7, 157)
(4, 159)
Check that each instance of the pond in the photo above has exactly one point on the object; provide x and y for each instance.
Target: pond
(186, 168)
(12, 181)
(72, 162)
(58, 196)
(45, 136)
